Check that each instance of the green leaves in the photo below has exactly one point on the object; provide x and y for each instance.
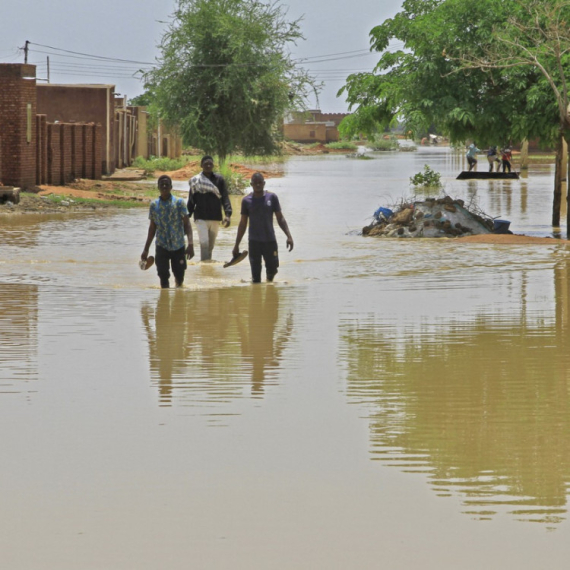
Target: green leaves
(428, 83)
(225, 75)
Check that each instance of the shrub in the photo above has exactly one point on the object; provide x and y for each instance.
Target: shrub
(427, 178)
(163, 164)
(384, 144)
(342, 145)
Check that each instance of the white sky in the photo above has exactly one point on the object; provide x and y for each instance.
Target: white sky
(131, 30)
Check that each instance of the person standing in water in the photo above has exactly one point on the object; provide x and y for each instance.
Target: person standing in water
(506, 157)
(492, 157)
(258, 209)
(169, 222)
(472, 151)
(207, 197)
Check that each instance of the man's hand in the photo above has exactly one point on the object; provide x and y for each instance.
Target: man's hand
(190, 251)
(144, 254)
(235, 251)
(290, 244)
(226, 222)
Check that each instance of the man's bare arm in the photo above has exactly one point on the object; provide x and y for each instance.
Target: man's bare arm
(188, 232)
(242, 226)
(150, 237)
(283, 225)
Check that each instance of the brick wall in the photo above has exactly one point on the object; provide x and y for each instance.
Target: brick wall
(72, 151)
(18, 103)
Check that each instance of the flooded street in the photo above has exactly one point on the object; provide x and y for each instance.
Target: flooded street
(386, 403)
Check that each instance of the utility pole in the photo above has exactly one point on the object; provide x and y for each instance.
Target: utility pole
(26, 51)
(48, 68)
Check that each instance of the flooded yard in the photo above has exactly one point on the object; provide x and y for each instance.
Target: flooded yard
(386, 403)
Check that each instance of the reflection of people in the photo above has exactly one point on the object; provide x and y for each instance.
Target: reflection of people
(506, 157)
(169, 221)
(208, 195)
(265, 346)
(259, 207)
(208, 346)
(166, 331)
(472, 151)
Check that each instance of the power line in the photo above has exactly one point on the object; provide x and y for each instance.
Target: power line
(86, 55)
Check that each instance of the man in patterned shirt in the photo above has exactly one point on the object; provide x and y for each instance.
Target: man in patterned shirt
(169, 221)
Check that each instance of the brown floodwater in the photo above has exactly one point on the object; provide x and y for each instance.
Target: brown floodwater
(386, 403)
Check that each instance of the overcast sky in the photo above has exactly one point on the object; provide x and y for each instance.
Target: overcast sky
(131, 30)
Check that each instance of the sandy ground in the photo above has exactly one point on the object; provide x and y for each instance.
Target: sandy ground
(511, 239)
(193, 168)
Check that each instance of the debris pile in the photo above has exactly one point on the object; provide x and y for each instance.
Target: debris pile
(432, 218)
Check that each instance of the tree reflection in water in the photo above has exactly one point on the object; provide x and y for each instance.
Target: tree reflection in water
(482, 406)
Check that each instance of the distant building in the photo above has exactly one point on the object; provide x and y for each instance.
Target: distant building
(312, 126)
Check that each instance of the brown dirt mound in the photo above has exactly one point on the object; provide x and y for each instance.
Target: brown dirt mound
(193, 168)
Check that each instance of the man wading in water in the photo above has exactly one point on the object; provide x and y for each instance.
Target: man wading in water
(259, 207)
(169, 221)
(208, 195)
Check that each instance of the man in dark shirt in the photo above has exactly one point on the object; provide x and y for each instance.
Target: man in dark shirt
(259, 207)
(208, 195)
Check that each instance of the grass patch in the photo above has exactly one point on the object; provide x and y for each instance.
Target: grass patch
(60, 200)
(542, 157)
(342, 145)
(163, 164)
(384, 144)
(243, 159)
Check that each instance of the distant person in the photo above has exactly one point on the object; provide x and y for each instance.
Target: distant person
(506, 157)
(492, 157)
(169, 222)
(472, 151)
(207, 197)
(258, 208)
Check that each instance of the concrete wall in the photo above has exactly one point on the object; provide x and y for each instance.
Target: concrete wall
(18, 108)
(83, 104)
(311, 132)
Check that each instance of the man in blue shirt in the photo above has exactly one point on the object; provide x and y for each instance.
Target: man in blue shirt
(169, 222)
(471, 155)
(259, 207)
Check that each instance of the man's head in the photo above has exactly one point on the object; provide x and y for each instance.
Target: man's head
(207, 164)
(258, 183)
(165, 186)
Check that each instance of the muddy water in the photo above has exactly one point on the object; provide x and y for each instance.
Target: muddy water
(394, 401)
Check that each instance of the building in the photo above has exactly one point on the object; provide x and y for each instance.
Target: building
(53, 134)
(313, 126)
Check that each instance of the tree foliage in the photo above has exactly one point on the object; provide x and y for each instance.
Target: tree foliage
(428, 82)
(225, 76)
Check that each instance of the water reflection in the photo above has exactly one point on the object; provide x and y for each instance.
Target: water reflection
(18, 337)
(20, 231)
(213, 346)
(480, 404)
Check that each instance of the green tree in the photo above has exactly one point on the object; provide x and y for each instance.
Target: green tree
(421, 85)
(225, 76)
(142, 100)
(535, 36)
(444, 75)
